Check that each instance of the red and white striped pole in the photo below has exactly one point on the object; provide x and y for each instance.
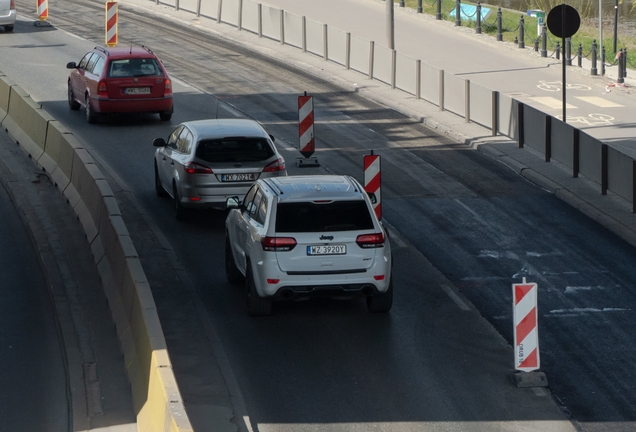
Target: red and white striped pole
(112, 16)
(372, 180)
(306, 125)
(526, 331)
(43, 9)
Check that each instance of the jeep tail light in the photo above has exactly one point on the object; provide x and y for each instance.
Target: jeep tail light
(278, 244)
(277, 165)
(102, 90)
(196, 168)
(12, 5)
(167, 87)
(370, 240)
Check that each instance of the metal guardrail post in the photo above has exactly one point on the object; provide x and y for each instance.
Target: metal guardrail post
(393, 67)
(624, 62)
(176, 5)
(438, 11)
(467, 101)
(418, 79)
(520, 125)
(495, 113)
(594, 70)
(458, 12)
(478, 24)
(544, 41)
(419, 6)
(239, 23)
(580, 55)
(282, 27)
(348, 51)
(219, 10)
(198, 8)
(371, 53)
(325, 41)
(604, 176)
(441, 90)
(548, 138)
(499, 18)
(303, 25)
(557, 51)
(260, 20)
(522, 35)
(568, 52)
(576, 151)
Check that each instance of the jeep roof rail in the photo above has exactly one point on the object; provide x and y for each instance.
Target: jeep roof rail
(274, 187)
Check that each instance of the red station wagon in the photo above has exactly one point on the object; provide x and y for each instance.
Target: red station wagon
(120, 80)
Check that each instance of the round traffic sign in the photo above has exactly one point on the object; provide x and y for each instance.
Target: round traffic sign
(563, 21)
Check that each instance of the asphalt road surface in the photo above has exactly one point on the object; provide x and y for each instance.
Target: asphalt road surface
(33, 381)
(460, 223)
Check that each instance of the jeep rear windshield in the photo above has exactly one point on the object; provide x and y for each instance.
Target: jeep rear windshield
(322, 217)
(234, 150)
(134, 67)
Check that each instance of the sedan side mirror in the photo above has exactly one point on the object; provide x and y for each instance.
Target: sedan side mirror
(71, 65)
(272, 137)
(159, 142)
(232, 203)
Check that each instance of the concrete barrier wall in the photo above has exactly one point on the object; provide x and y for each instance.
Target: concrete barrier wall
(5, 91)
(155, 392)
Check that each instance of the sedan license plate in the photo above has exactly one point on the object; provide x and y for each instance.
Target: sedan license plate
(137, 90)
(327, 250)
(237, 177)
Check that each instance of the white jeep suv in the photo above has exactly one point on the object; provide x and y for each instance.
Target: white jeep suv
(299, 237)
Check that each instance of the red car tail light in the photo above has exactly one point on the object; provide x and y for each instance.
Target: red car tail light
(167, 87)
(102, 90)
(196, 168)
(278, 244)
(12, 5)
(370, 240)
(277, 165)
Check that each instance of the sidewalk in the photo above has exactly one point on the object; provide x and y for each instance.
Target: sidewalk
(610, 211)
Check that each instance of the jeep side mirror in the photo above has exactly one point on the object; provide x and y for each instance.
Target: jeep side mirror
(372, 197)
(159, 142)
(232, 203)
(272, 137)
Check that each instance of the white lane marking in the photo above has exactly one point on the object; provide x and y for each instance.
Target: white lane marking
(396, 238)
(551, 102)
(458, 301)
(575, 289)
(583, 311)
(181, 83)
(599, 101)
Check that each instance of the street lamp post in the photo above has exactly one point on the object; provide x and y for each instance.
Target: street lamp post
(600, 23)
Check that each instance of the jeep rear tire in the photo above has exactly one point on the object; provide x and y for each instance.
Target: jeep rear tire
(256, 305)
(381, 302)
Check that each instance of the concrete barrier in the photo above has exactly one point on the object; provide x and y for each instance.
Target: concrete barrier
(5, 91)
(156, 397)
(26, 122)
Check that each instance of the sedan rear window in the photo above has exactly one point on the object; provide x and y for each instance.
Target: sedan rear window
(234, 150)
(134, 67)
(322, 217)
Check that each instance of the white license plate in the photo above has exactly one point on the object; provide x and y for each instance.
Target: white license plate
(327, 250)
(237, 177)
(137, 90)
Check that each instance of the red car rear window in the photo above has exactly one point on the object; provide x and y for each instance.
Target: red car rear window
(134, 67)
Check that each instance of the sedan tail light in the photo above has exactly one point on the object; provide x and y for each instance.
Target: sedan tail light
(12, 5)
(277, 165)
(278, 244)
(370, 240)
(102, 90)
(196, 168)
(167, 87)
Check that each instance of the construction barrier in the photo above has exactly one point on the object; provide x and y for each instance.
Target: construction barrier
(112, 17)
(526, 334)
(373, 181)
(156, 398)
(306, 125)
(43, 9)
